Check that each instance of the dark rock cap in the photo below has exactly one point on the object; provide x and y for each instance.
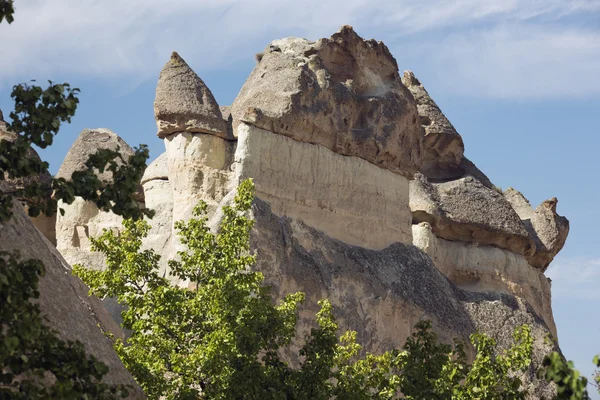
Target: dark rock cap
(443, 147)
(184, 103)
(342, 92)
(88, 142)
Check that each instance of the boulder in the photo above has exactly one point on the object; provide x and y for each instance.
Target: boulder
(443, 147)
(183, 103)
(342, 92)
(548, 229)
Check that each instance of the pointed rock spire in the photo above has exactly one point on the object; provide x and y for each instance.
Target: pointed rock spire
(443, 147)
(184, 103)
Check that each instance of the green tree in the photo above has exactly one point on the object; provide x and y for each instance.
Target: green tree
(222, 336)
(570, 384)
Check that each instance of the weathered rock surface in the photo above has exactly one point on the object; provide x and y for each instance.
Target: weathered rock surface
(443, 147)
(88, 142)
(498, 314)
(44, 223)
(548, 229)
(159, 197)
(480, 268)
(465, 209)
(183, 102)
(383, 294)
(330, 136)
(82, 219)
(64, 299)
(344, 93)
(347, 198)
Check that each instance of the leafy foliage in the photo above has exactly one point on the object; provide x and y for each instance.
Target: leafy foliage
(7, 9)
(569, 382)
(35, 363)
(221, 336)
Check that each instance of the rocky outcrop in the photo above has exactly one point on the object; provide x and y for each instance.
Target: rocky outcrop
(548, 229)
(82, 219)
(183, 102)
(363, 196)
(64, 300)
(347, 198)
(343, 93)
(382, 294)
(479, 268)
(443, 147)
(88, 142)
(465, 209)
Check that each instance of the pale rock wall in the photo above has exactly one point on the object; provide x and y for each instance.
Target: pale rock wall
(82, 220)
(199, 169)
(480, 268)
(158, 194)
(347, 198)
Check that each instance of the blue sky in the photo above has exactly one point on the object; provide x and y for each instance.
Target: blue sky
(519, 79)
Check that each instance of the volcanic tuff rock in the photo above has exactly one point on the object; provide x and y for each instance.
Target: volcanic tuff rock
(88, 142)
(548, 229)
(443, 147)
(343, 93)
(331, 136)
(64, 300)
(82, 219)
(183, 102)
(465, 209)
(159, 197)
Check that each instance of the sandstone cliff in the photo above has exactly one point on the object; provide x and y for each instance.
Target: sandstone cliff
(364, 196)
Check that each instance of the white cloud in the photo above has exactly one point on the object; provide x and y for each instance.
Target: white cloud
(510, 48)
(512, 61)
(575, 277)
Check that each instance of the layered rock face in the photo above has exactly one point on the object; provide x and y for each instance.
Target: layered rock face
(363, 195)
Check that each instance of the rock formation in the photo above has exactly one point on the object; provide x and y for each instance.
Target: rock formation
(159, 197)
(343, 93)
(183, 102)
(548, 229)
(82, 219)
(363, 196)
(64, 299)
(443, 147)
